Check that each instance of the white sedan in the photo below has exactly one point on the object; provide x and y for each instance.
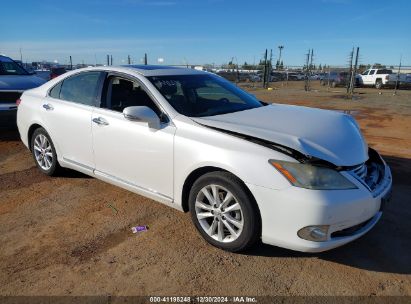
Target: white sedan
(294, 177)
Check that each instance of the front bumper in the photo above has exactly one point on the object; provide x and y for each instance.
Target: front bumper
(349, 213)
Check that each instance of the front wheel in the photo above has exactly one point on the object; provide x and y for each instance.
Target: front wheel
(223, 212)
(44, 153)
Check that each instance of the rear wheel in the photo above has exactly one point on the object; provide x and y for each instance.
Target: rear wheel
(44, 153)
(223, 212)
(378, 84)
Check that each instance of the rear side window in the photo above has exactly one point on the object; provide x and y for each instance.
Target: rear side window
(384, 71)
(81, 88)
(55, 92)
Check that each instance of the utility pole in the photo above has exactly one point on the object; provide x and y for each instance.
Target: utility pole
(307, 62)
(270, 67)
(398, 77)
(280, 47)
(354, 71)
(265, 70)
(349, 76)
(111, 59)
(309, 69)
(71, 63)
(145, 58)
(128, 59)
(108, 60)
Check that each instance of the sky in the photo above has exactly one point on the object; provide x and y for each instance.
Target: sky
(206, 31)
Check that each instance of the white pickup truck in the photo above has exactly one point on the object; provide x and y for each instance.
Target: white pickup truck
(382, 78)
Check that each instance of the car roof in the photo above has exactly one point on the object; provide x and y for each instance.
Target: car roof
(161, 70)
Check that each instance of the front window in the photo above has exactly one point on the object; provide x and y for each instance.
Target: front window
(203, 95)
(11, 68)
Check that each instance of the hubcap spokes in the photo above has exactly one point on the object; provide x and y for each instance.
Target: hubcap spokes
(43, 152)
(219, 213)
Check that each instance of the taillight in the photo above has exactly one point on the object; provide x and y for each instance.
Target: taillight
(18, 102)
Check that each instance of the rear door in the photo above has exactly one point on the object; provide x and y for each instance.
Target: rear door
(129, 152)
(67, 114)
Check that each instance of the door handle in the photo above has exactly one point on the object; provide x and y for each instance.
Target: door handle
(100, 121)
(48, 107)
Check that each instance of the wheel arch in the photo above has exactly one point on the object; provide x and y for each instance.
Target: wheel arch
(30, 133)
(197, 173)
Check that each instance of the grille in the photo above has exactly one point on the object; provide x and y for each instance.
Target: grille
(9, 97)
(361, 171)
(371, 173)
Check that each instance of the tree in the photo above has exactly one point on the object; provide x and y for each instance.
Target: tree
(378, 66)
(320, 67)
(281, 65)
(362, 68)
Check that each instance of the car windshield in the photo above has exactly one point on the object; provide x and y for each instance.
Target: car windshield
(203, 95)
(11, 68)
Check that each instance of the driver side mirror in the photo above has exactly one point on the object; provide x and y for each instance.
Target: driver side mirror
(144, 114)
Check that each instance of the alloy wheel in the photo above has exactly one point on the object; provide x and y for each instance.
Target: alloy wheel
(219, 213)
(43, 152)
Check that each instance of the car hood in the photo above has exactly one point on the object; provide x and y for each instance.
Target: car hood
(328, 135)
(20, 82)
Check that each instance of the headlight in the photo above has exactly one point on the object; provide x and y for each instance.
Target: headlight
(312, 177)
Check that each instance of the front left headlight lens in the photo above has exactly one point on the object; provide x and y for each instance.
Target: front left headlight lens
(312, 177)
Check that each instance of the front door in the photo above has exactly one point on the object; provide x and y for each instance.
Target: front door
(129, 152)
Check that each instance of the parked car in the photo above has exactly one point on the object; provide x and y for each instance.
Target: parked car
(14, 79)
(277, 76)
(380, 78)
(295, 76)
(314, 77)
(57, 71)
(253, 77)
(335, 78)
(296, 177)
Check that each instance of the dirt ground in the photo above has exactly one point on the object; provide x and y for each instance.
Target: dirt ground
(71, 235)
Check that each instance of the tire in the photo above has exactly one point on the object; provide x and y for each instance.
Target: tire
(44, 152)
(234, 230)
(378, 84)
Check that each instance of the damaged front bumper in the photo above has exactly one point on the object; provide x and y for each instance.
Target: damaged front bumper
(347, 214)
